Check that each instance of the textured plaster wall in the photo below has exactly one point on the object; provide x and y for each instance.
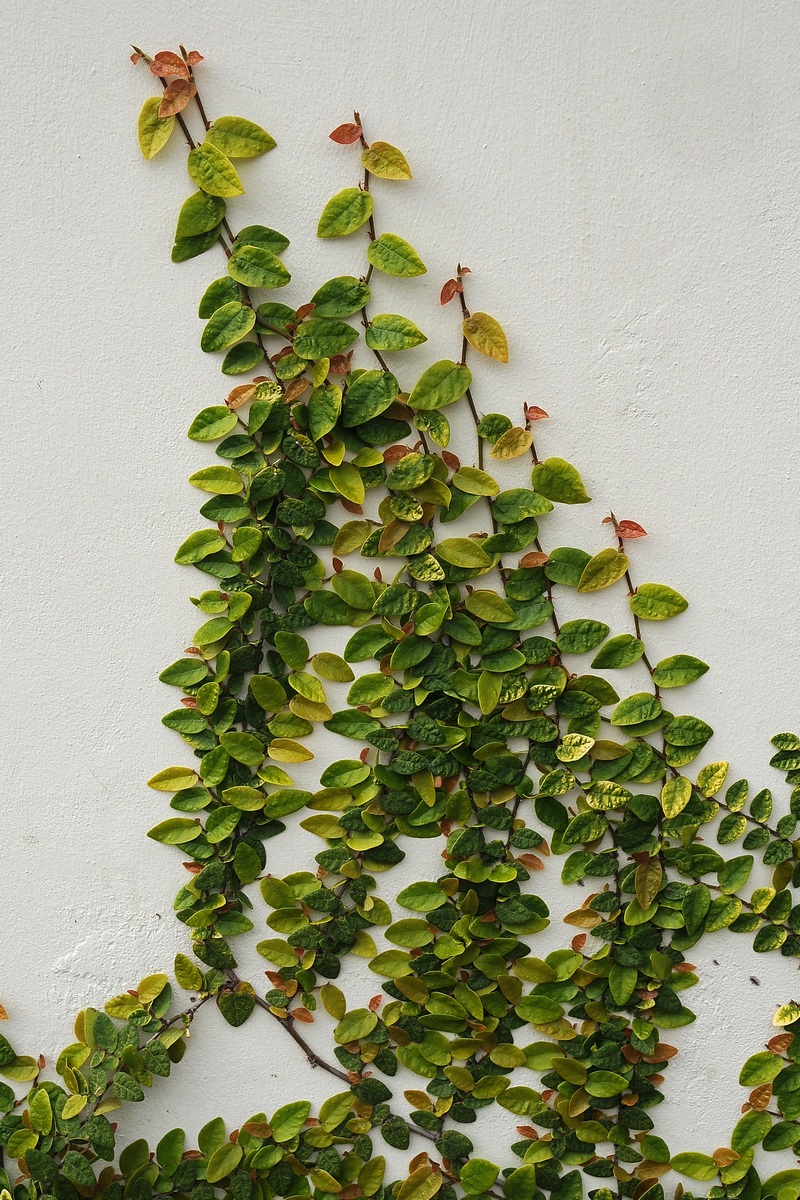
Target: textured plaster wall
(622, 179)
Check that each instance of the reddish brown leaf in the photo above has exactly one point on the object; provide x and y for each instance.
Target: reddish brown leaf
(168, 63)
(376, 574)
(761, 1096)
(136, 58)
(276, 980)
(194, 57)
(346, 134)
(302, 1014)
(578, 942)
(393, 454)
(284, 350)
(451, 460)
(530, 860)
(781, 1042)
(534, 413)
(3, 1014)
(630, 529)
(527, 1131)
(240, 395)
(338, 565)
(375, 1003)
(189, 702)
(193, 868)
(364, 754)
(304, 311)
(536, 558)
(450, 289)
(340, 365)
(176, 96)
(257, 1129)
(296, 388)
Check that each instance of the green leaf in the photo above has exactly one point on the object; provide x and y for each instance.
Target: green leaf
(220, 292)
(657, 602)
(641, 706)
(580, 636)
(212, 423)
(392, 255)
(675, 795)
(211, 171)
(474, 482)
(340, 297)
(355, 1025)
(173, 779)
(257, 267)
(749, 1130)
(237, 1004)
(344, 213)
(488, 606)
(558, 480)
(263, 236)
(287, 1122)
(389, 332)
(222, 481)
(385, 161)
(323, 338)
(760, 1068)
(620, 651)
(368, 396)
(442, 384)
(228, 324)
(188, 974)
(239, 138)
(154, 131)
(696, 1166)
(421, 897)
(77, 1170)
(463, 552)
(605, 1084)
(200, 213)
(223, 1161)
(604, 569)
(169, 1151)
(175, 831)
(478, 1175)
(199, 545)
(678, 670)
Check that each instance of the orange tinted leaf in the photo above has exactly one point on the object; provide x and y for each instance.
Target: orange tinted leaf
(630, 529)
(240, 395)
(3, 1014)
(168, 63)
(536, 558)
(760, 1097)
(346, 134)
(534, 413)
(176, 96)
(486, 335)
(450, 289)
(302, 1014)
(194, 57)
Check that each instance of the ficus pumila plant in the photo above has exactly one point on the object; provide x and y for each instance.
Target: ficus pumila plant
(472, 714)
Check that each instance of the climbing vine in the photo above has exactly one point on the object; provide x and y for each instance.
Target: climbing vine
(473, 715)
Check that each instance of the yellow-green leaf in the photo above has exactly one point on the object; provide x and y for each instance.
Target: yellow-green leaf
(173, 779)
(604, 569)
(255, 266)
(239, 138)
(385, 161)
(153, 130)
(512, 443)
(344, 213)
(227, 325)
(213, 172)
(675, 795)
(393, 255)
(486, 335)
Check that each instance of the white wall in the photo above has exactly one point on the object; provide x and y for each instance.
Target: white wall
(622, 179)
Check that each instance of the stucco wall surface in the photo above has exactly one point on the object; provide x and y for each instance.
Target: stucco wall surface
(622, 179)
